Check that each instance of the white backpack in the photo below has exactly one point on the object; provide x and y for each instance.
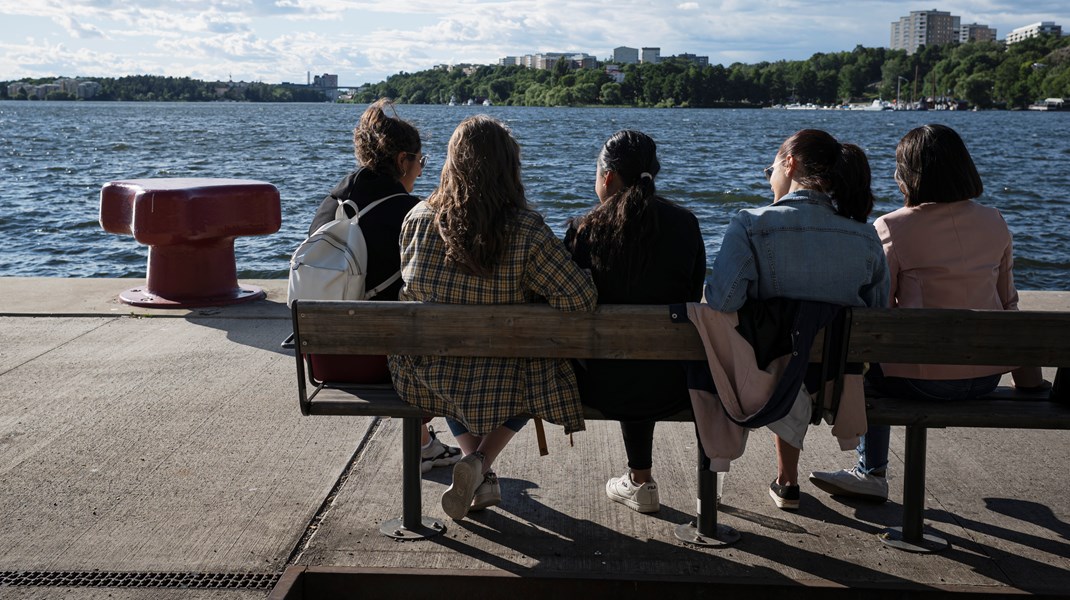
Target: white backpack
(332, 264)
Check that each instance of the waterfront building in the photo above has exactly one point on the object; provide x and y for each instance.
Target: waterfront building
(614, 72)
(924, 28)
(13, 89)
(701, 61)
(973, 32)
(1034, 30)
(42, 91)
(651, 56)
(87, 89)
(329, 84)
(625, 55)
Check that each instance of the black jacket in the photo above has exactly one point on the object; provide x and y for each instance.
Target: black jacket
(673, 272)
(381, 227)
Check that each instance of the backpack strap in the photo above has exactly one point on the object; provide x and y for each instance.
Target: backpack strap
(341, 214)
(368, 295)
(397, 275)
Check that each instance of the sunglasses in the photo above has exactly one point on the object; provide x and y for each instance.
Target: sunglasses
(768, 172)
(422, 159)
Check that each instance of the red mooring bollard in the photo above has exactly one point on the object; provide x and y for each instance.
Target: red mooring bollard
(189, 225)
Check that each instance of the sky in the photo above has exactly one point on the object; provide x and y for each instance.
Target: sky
(366, 41)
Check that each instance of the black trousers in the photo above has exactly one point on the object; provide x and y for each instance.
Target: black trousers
(639, 443)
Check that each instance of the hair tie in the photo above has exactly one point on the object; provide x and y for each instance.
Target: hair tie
(645, 175)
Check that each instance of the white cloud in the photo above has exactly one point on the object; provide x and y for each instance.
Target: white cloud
(368, 40)
(76, 29)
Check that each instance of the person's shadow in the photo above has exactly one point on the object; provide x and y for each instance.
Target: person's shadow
(544, 542)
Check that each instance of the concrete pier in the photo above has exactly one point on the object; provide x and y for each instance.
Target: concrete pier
(167, 445)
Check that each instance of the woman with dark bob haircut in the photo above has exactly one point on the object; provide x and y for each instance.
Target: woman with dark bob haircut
(811, 243)
(641, 249)
(944, 251)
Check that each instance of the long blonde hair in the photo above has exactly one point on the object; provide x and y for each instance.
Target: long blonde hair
(479, 194)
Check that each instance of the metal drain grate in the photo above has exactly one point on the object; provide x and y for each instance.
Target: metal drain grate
(120, 579)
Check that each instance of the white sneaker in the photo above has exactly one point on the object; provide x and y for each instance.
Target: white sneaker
(853, 483)
(642, 498)
(488, 494)
(467, 475)
(437, 454)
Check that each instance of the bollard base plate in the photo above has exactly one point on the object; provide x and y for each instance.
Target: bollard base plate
(724, 536)
(143, 297)
(428, 528)
(928, 544)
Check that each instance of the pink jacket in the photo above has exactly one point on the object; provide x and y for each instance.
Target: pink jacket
(948, 255)
(743, 389)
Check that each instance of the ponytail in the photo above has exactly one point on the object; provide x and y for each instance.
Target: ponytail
(618, 229)
(379, 138)
(851, 192)
(839, 170)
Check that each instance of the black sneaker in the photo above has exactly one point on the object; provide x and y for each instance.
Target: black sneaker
(785, 496)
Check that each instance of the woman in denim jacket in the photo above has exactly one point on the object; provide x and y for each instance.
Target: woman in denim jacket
(811, 243)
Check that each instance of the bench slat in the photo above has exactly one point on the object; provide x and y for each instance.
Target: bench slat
(968, 337)
(925, 336)
(507, 330)
(1024, 413)
(383, 401)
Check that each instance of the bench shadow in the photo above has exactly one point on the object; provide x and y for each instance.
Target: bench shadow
(873, 518)
(558, 542)
(1036, 542)
(262, 333)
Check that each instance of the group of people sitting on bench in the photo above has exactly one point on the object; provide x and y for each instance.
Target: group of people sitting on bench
(476, 240)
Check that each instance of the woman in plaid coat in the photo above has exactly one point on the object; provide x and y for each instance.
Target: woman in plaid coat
(476, 241)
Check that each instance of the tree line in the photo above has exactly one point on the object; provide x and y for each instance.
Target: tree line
(983, 74)
(147, 88)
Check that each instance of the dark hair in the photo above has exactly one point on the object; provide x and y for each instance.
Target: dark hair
(839, 170)
(378, 139)
(933, 165)
(617, 228)
(479, 194)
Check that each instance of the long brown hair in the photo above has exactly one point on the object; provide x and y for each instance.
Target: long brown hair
(479, 194)
(379, 138)
(839, 170)
(617, 228)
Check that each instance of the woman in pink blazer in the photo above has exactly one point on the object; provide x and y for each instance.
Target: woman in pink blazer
(944, 250)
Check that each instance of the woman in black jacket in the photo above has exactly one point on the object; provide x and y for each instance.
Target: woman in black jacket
(389, 158)
(641, 249)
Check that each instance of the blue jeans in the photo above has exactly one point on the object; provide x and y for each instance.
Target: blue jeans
(514, 423)
(873, 447)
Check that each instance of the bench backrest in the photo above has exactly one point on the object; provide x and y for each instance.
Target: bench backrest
(923, 336)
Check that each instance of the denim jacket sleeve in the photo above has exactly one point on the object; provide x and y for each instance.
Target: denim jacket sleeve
(734, 270)
(875, 293)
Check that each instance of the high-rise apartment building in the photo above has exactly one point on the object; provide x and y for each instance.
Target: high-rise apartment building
(924, 28)
(651, 56)
(973, 32)
(1044, 27)
(625, 55)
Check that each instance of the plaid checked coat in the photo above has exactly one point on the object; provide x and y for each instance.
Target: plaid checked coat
(483, 392)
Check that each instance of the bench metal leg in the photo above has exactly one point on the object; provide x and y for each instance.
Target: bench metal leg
(910, 536)
(412, 525)
(706, 531)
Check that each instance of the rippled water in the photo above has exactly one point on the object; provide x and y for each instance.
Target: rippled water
(54, 157)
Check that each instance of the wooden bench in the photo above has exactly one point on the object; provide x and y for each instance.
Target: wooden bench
(647, 332)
